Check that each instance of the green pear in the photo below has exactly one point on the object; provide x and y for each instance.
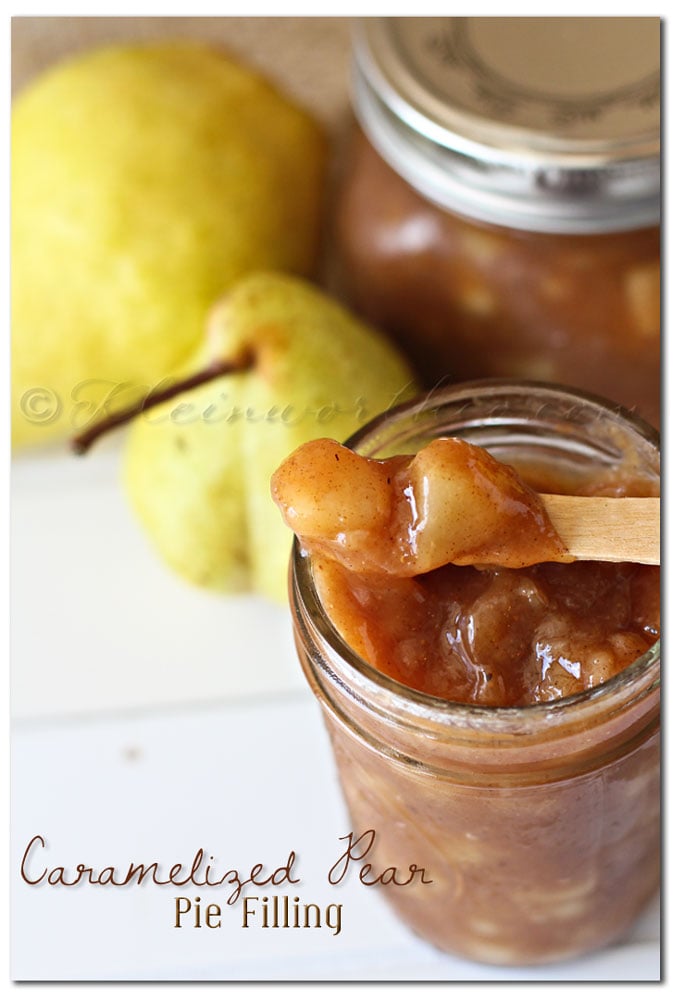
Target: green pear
(146, 180)
(198, 467)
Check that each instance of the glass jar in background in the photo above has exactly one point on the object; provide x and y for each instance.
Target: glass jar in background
(539, 825)
(498, 212)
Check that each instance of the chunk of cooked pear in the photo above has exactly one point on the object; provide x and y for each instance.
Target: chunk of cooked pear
(197, 468)
(452, 502)
(146, 180)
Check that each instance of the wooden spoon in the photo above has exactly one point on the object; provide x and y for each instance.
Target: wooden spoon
(609, 529)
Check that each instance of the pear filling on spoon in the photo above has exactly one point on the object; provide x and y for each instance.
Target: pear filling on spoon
(443, 570)
(450, 503)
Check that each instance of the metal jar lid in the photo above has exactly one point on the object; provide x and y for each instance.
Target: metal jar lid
(539, 123)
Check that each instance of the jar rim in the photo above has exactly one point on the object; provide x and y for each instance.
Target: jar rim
(449, 113)
(643, 672)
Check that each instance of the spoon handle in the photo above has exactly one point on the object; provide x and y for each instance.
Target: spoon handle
(610, 529)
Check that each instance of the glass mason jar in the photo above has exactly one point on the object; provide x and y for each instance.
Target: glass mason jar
(538, 825)
(498, 210)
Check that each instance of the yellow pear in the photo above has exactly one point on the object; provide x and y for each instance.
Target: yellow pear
(146, 180)
(198, 467)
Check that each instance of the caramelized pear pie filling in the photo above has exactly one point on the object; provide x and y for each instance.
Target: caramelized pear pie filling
(443, 571)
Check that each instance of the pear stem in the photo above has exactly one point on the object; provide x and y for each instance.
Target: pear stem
(81, 443)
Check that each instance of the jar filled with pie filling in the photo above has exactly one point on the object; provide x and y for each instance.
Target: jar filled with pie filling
(498, 212)
(535, 817)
